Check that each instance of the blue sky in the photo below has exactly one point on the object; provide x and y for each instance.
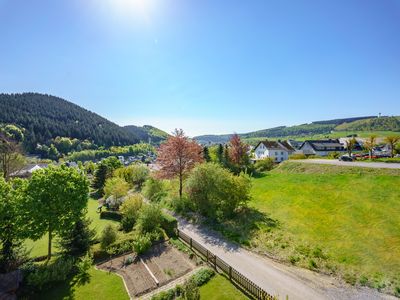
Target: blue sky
(206, 66)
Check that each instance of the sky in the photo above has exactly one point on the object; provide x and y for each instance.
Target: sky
(208, 66)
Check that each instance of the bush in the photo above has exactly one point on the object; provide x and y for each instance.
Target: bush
(166, 295)
(154, 190)
(215, 192)
(108, 236)
(135, 175)
(298, 156)
(84, 264)
(142, 243)
(203, 276)
(169, 224)
(191, 290)
(38, 277)
(182, 205)
(149, 219)
(116, 188)
(111, 215)
(266, 164)
(334, 155)
(130, 211)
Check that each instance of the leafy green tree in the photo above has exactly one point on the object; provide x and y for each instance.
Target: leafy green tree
(13, 132)
(116, 188)
(77, 242)
(12, 223)
(369, 144)
(216, 192)
(55, 199)
(150, 217)
(350, 145)
(135, 174)
(11, 158)
(130, 211)
(105, 170)
(63, 144)
(154, 189)
(392, 141)
(53, 152)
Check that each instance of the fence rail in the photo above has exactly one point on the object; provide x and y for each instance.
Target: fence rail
(234, 275)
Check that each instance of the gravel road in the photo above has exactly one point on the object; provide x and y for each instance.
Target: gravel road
(276, 278)
(377, 165)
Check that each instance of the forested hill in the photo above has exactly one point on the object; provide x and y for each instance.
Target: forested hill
(368, 123)
(45, 117)
(147, 133)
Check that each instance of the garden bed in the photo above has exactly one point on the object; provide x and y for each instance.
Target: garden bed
(164, 262)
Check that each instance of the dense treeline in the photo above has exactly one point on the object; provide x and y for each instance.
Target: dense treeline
(45, 117)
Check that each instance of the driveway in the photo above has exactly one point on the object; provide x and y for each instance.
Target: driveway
(376, 165)
(276, 278)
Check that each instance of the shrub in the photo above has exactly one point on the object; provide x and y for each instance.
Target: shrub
(116, 188)
(135, 175)
(312, 264)
(169, 224)
(298, 156)
(111, 215)
(182, 205)
(334, 155)
(83, 265)
(149, 219)
(191, 290)
(203, 276)
(293, 259)
(45, 275)
(166, 295)
(266, 164)
(130, 211)
(142, 243)
(154, 189)
(350, 278)
(397, 291)
(108, 236)
(216, 192)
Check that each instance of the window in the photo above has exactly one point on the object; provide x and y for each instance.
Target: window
(282, 153)
(276, 159)
(276, 153)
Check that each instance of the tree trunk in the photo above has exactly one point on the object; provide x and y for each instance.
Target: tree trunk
(49, 245)
(180, 185)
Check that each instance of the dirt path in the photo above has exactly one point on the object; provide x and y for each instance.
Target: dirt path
(276, 278)
(375, 165)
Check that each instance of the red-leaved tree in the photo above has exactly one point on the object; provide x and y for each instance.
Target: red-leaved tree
(237, 150)
(177, 156)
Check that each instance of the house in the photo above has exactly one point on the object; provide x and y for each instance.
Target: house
(27, 171)
(357, 146)
(277, 150)
(321, 147)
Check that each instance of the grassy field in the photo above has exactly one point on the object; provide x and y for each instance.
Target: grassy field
(101, 285)
(39, 247)
(219, 288)
(340, 220)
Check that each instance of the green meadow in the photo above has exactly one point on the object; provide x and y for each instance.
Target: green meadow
(340, 220)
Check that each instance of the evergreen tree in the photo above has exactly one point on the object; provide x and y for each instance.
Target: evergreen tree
(206, 154)
(220, 154)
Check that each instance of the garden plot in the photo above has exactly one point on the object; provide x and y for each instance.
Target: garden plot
(163, 262)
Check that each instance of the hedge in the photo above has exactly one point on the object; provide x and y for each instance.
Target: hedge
(111, 215)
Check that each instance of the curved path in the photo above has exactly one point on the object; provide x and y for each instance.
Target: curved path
(276, 278)
(375, 165)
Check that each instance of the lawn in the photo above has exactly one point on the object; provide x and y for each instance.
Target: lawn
(101, 285)
(39, 247)
(219, 288)
(335, 216)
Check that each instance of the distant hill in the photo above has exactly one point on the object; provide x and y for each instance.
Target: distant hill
(375, 124)
(44, 117)
(367, 123)
(147, 133)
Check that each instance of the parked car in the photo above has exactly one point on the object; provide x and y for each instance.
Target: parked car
(345, 158)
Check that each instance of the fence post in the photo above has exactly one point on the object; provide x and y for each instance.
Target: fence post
(190, 243)
(207, 255)
(230, 273)
(215, 262)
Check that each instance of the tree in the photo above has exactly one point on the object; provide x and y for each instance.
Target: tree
(350, 145)
(238, 154)
(369, 144)
(177, 156)
(135, 175)
(53, 152)
(11, 158)
(149, 218)
(392, 141)
(206, 154)
(130, 211)
(77, 242)
(105, 170)
(116, 187)
(55, 199)
(220, 154)
(154, 189)
(216, 192)
(108, 236)
(12, 223)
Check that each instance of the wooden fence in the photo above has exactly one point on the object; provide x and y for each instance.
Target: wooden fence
(233, 275)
